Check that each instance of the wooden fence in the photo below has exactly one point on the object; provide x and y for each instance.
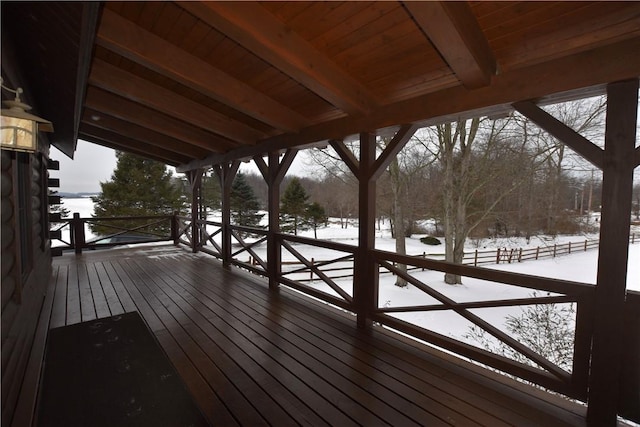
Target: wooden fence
(474, 258)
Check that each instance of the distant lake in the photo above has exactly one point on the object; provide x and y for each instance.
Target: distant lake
(82, 205)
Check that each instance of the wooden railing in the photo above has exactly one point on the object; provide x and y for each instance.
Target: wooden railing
(292, 274)
(70, 234)
(544, 373)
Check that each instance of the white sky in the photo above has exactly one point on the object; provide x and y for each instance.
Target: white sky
(93, 164)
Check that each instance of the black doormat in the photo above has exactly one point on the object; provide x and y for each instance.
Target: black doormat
(112, 372)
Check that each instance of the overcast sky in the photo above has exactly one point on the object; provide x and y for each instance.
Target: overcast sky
(93, 164)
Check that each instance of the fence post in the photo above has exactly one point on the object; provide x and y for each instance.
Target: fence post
(537, 252)
(424, 256)
(475, 259)
(569, 247)
(78, 233)
(520, 255)
(555, 247)
(174, 228)
(585, 245)
(311, 270)
(498, 256)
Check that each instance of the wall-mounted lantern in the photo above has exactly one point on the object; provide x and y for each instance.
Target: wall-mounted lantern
(19, 129)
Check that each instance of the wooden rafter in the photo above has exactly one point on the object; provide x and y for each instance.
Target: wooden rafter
(123, 37)
(253, 27)
(126, 110)
(95, 134)
(114, 141)
(562, 132)
(146, 136)
(454, 31)
(137, 89)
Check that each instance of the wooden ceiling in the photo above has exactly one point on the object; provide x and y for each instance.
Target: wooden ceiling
(197, 83)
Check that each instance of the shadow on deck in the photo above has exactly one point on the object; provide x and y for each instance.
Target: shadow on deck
(254, 357)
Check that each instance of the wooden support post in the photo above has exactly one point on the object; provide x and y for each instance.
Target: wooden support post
(195, 179)
(617, 182)
(78, 233)
(365, 286)
(274, 174)
(175, 228)
(226, 175)
(274, 250)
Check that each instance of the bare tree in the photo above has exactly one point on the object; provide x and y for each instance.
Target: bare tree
(480, 159)
(586, 117)
(405, 172)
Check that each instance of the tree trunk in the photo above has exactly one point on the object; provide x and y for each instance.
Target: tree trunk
(456, 189)
(446, 153)
(398, 218)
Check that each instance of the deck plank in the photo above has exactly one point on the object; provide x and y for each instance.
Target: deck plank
(59, 310)
(111, 297)
(251, 356)
(379, 377)
(231, 367)
(73, 296)
(242, 409)
(87, 302)
(246, 347)
(99, 298)
(346, 348)
(300, 343)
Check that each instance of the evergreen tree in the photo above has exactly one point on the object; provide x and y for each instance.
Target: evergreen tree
(211, 194)
(244, 204)
(138, 187)
(316, 216)
(293, 207)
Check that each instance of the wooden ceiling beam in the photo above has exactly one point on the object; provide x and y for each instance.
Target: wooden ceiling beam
(254, 28)
(129, 111)
(456, 34)
(591, 69)
(117, 142)
(134, 132)
(141, 91)
(142, 47)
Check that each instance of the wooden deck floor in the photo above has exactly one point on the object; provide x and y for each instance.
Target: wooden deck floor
(253, 357)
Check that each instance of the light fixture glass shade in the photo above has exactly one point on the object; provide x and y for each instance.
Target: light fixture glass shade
(19, 129)
(18, 134)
